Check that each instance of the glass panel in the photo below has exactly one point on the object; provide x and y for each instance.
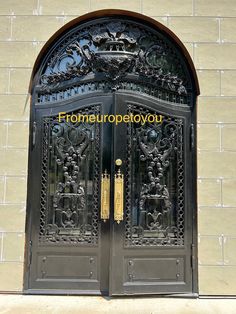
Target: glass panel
(155, 181)
(70, 175)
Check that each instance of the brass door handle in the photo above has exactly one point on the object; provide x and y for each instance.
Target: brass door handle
(105, 196)
(119, 197)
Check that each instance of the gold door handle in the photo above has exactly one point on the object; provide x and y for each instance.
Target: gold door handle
(119, 197)
(105, 196)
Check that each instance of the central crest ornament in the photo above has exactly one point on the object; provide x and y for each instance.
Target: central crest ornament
(114, 60)
(111, 57)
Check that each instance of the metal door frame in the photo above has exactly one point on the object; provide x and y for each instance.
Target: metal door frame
(133, 84)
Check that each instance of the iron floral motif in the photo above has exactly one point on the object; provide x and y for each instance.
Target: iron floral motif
(64, 214)
(115, 49)
(71, 143)
(152, 217)
(157, 142)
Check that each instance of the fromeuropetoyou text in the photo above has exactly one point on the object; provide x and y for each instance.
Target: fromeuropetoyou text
(110, 118)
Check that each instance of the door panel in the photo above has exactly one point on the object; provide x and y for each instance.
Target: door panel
(149, 269)
(68, 240)
(153, 242)
(61, 266)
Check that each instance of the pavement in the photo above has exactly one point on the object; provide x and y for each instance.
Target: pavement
(28, 304)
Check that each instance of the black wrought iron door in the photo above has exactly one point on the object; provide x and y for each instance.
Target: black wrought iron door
(110, 203)
(69, 243)
(151, 246)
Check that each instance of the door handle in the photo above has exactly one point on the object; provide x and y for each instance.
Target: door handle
(119, 194)
(105, 196)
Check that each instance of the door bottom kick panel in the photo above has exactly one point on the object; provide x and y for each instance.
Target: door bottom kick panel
(72, 280)
(168, 294)
(165, 288)
(64, 292)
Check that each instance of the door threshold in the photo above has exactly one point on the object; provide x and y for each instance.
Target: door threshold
(105, 294)
(158, 295)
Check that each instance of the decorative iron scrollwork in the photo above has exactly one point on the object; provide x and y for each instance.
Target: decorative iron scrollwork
(70, 179)
(154, 216)
(116, 49)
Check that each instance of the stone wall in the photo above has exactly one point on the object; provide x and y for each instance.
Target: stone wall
(208, 30)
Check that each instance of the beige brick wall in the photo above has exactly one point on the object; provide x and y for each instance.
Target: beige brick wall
(208, 29)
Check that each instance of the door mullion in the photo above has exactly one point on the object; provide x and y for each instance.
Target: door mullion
(117, 230)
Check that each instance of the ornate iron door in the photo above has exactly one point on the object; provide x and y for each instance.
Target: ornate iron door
(110, 208)
(69, 251)
(151, 247)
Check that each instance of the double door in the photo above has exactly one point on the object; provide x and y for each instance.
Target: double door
(110, 205)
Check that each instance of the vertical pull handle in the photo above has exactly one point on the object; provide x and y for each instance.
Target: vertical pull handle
(105, 196)
(119, 197)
